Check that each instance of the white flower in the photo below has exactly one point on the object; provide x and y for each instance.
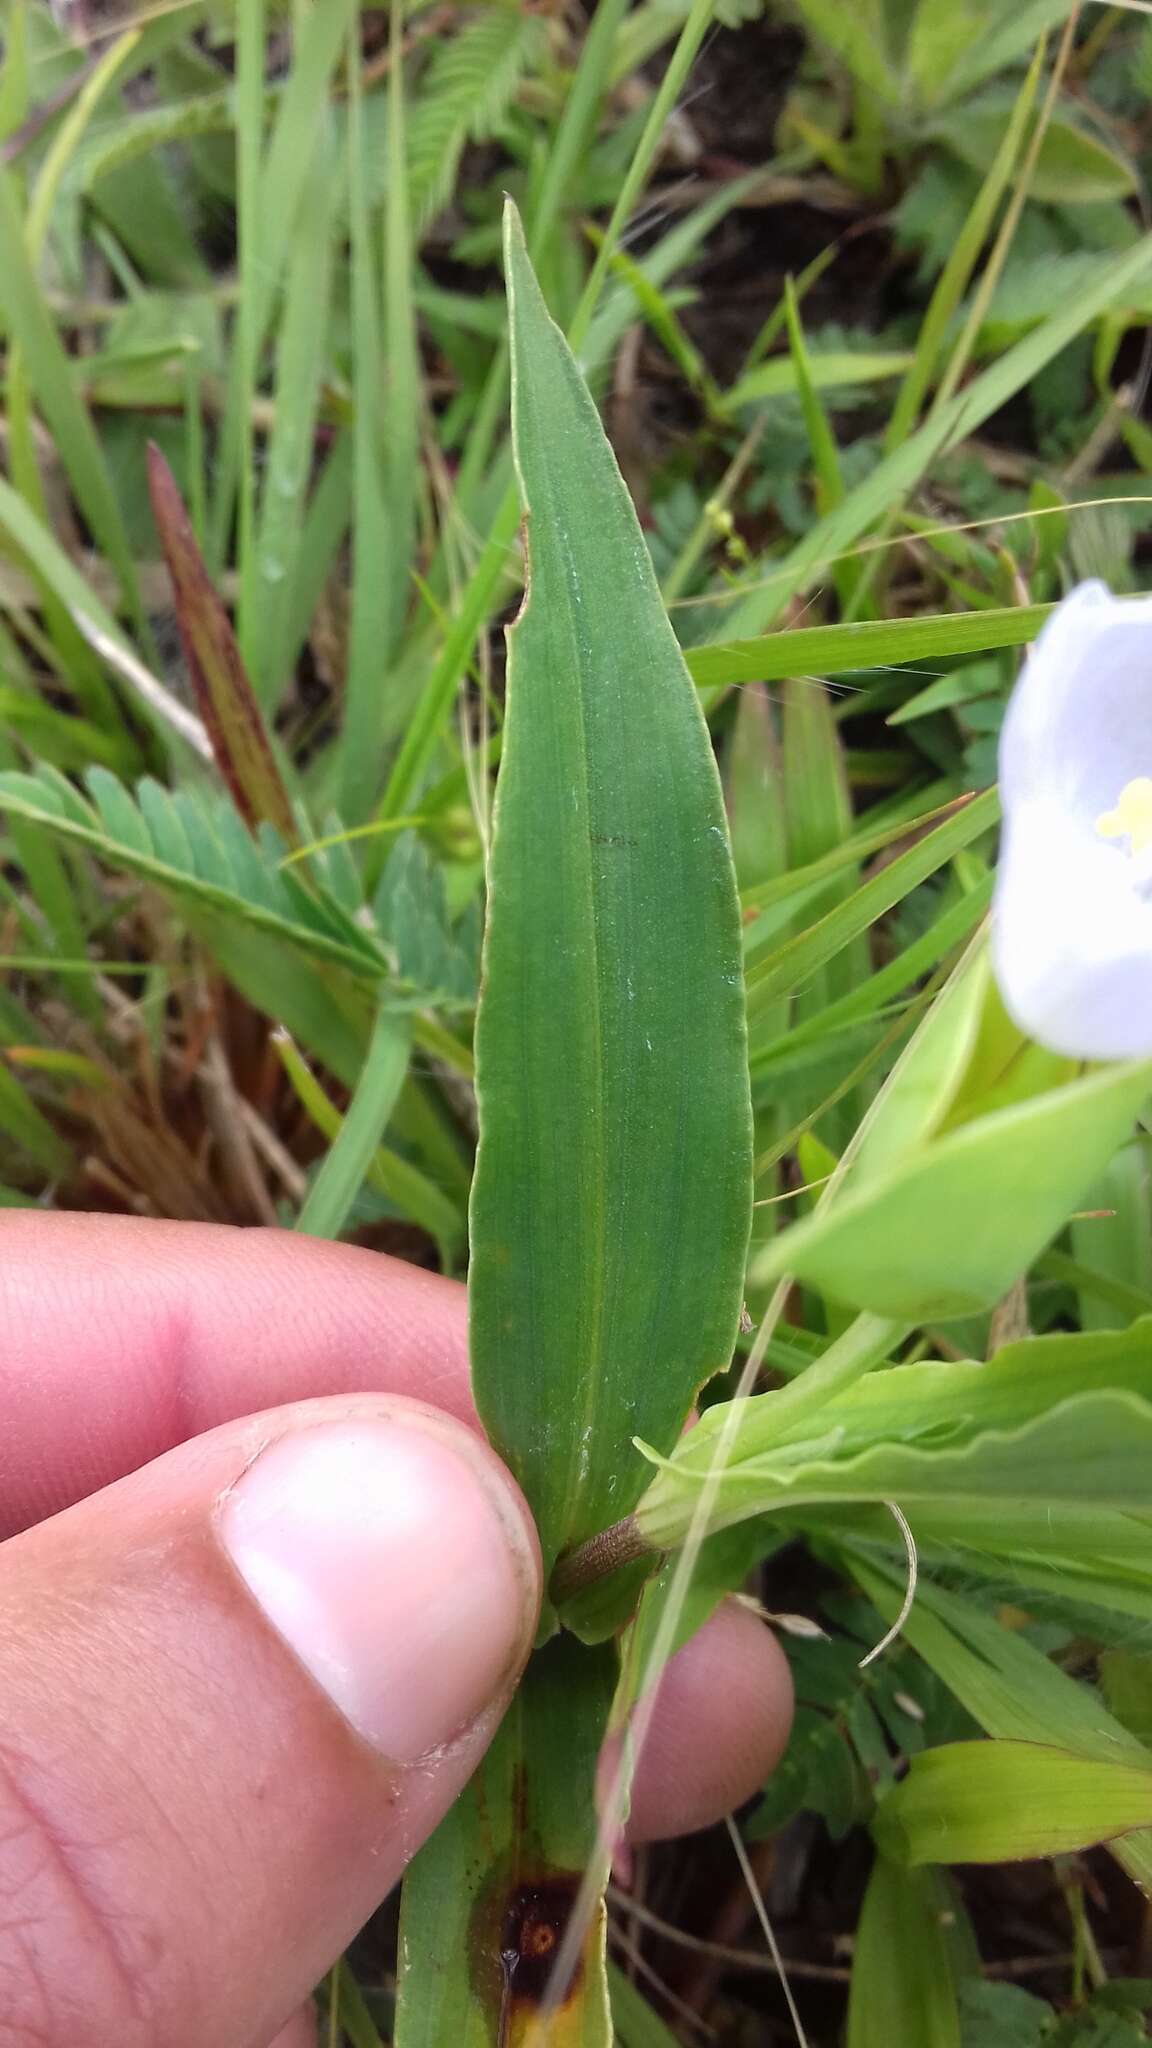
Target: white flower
(1072, 917)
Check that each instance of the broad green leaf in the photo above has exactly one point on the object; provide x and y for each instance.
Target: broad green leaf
(995, 1802)
(486, 1903)
(924, 1240)
(1003, 2016)
(1009, 1686)
(611, 1204)
(1072, 168)
(903, 1965)
(1068, 1427)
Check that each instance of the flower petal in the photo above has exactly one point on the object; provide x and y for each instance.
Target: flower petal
(1071, 938)
(1079, 726)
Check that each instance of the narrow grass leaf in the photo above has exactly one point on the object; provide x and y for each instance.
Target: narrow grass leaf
(224, 695)
(25, 313)
(336, 1186)
(860, 645)
(792, 964)
(907, 465)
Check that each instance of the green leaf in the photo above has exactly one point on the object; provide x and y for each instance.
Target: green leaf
(995, 1802)
(612, 1198)
(339, 1180)
(924, 1241)
(205, 857)
(890, 480)
(854, 34)
(860, 645)
(950, 1438)
(1072, 168)
(843, 371)
(469, 79)
(1002, 2016)
(792, 964)
(1007, 1685)
(1126, 1676)
(903, 1962)
(634, 2023)
(30, 325)
(998, 37)
(486, 1903)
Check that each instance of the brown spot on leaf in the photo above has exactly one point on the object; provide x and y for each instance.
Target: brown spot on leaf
(535, 1918)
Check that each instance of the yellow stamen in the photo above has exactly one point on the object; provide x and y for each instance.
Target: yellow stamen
(1132, 817)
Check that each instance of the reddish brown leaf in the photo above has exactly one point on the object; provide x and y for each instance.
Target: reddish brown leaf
(224, 694)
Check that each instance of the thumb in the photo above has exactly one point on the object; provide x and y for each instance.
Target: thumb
(242, 1686)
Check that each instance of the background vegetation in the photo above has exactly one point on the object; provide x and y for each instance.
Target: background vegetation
(863, 292)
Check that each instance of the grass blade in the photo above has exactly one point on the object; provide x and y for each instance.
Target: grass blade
(223, 692)
(346, 1167)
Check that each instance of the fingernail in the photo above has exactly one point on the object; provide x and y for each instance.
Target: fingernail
(389, 1564)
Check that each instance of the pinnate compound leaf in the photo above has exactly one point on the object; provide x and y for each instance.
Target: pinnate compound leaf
(611, 1206)
(193, 845)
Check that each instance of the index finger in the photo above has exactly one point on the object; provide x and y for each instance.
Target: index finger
(121, 1337)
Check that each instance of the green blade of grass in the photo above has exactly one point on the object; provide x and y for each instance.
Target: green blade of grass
(346, 1167)
(415, 1196)
(26, 315)
(860, 645)
(794, 962)
(905, 467)
(960, 263)
(300, 364)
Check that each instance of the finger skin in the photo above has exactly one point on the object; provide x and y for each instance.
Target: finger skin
(190, 1831)
(299, 2033)
(732, 1681)
(121, 1337)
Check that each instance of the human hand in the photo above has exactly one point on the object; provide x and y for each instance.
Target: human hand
(265, 1595)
